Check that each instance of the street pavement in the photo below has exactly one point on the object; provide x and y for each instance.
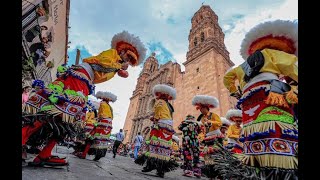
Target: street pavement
(122, 168)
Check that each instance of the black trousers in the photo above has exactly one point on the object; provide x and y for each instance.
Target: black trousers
(115, 147)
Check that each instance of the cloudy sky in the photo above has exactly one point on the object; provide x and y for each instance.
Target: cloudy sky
(163, 26)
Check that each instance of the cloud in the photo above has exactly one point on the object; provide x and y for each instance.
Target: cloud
(165, 24)
(163, 55)
(287, 11)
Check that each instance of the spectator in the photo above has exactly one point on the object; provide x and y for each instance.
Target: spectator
(138, 140)
(119, 139)
(25, 94)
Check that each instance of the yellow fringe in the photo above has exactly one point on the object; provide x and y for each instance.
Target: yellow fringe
(276, 100)
(65, 117)
(166, 158)
(266, 126)
(291, 97)
(271, 160)
(29, 109)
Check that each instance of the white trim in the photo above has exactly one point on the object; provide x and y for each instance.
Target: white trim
(166, 121)
(232, 141)
(215, 132)
(260, 77)
(89, 70)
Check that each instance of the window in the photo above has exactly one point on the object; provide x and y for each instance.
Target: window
(202, 36)
(195, 41)
(197, 70)
(151, 67)
(198, 87)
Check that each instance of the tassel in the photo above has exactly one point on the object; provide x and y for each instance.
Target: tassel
(276, 100)
(291, 97)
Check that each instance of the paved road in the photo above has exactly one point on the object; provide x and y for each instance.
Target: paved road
(122, 168)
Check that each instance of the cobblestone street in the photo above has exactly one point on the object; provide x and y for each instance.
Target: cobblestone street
(106, 168)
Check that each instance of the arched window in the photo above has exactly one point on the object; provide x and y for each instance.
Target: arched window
(202, 36)
(195, 41)
(151, 67)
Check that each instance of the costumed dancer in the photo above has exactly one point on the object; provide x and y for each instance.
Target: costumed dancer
(65, 98)
(100, 134)
(175, 148)
(159, 151)
(212, 124)
(234, 131)
(224, 128)
(37, 85)
(90, 123)
(270, 134)
(190, 145)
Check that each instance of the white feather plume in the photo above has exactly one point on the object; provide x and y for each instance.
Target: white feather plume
(233, 113)
(165, 89)
(205, 100)
(225, 121)
(131, 39)
(106, 95)
(175, 138)
(289, 29)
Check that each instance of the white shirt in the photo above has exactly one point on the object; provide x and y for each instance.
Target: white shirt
(138, 140)
(120, 136)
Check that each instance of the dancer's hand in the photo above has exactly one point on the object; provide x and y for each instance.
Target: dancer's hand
(125, 66)
(123, 73)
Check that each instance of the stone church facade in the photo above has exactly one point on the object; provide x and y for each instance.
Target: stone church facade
(207, 61)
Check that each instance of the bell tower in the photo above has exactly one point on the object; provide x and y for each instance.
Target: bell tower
(207, 59)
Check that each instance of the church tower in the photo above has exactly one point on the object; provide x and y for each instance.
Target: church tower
(207, 62)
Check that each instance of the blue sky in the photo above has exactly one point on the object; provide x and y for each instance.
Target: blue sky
(163, 26)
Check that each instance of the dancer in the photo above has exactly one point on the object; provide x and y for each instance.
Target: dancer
(270, 134)
(100, 134)
(224, 129)
(234, 131)
(160, 145)
(212, 123)
(65, 98)
(190, 145)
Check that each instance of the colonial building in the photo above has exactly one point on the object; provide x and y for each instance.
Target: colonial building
(207, 61)
(44, 38)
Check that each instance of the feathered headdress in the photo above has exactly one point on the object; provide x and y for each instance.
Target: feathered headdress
(204, 100)
(106, 95)
(233, 113)
(279, 35)
(132, 44)
(175, 138)
(225, 122)
(164, 89)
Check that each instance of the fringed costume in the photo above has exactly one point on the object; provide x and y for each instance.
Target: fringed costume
(159, 151)
(61, 103)
(213, 136)
(223, 129)
(175, 148)
(190, 145)
(98, 136)
(234, 131)
(270, 133)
